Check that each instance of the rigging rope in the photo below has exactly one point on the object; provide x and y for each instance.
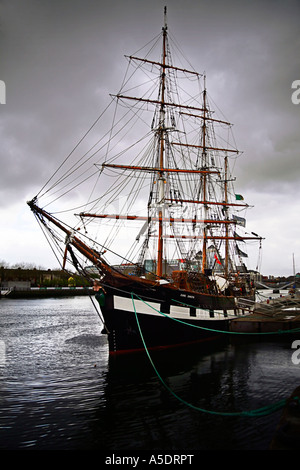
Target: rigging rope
(73, 150)
(264, 411)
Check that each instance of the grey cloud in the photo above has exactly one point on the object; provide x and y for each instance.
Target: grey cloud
(60, 59)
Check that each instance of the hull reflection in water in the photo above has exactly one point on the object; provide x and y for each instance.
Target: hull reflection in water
(216, 377)
(60, 389)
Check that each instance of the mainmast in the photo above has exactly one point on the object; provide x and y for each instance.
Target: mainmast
(162, 131)
(204, 180)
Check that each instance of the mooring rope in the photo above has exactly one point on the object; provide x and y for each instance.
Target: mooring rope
(264, 411)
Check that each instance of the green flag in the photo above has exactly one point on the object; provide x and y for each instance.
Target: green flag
(239, 197)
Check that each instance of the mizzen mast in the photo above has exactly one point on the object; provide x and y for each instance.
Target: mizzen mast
(226, 267)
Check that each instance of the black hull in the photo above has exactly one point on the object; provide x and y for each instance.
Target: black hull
(181, 324)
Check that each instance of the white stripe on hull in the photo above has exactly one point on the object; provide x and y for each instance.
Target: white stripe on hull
(176, 311)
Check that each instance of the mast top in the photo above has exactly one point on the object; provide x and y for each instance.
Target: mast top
(165, 19)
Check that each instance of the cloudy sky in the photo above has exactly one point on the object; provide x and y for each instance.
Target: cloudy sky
(59, 60)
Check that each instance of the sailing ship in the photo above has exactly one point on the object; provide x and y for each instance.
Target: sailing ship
(161, 230)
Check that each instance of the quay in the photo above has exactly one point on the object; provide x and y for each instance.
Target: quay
(21, 283)
(271, 315)
(43, 292)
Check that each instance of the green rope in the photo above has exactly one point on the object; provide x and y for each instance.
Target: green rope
(295, 330)
(266, 410)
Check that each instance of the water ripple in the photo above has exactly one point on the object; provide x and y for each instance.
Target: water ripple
(60, 390)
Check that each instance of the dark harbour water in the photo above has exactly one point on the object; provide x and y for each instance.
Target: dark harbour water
(59, 390)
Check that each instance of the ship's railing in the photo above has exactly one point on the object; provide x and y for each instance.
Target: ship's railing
(245, 303)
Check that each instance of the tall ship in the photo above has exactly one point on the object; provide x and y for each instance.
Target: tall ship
(145, 206)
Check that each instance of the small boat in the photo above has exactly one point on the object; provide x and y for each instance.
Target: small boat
(148, 208)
